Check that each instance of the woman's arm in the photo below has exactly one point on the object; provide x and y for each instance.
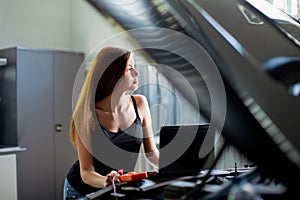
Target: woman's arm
(87, 170)
(149, 145)
(152, 153)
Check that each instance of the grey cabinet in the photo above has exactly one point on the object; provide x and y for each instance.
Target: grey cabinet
(36, 102)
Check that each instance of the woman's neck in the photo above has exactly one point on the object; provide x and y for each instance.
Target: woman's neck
(114, 103)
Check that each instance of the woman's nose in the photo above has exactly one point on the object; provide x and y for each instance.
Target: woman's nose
(135, 72)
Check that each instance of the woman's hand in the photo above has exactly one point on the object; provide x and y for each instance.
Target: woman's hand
(113, 176)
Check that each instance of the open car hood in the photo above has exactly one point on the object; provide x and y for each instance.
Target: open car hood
(257, 59)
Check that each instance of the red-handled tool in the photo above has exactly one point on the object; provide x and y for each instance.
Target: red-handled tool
(133, 176)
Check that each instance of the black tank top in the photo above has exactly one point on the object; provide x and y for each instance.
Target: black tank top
(129, 140)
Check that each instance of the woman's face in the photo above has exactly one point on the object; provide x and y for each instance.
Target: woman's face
(130, 78)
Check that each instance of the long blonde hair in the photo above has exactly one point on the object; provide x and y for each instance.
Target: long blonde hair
(106, 69)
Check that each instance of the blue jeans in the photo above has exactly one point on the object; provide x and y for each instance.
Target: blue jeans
(70, 192)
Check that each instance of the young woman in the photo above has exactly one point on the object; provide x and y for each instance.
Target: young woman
(124, 119)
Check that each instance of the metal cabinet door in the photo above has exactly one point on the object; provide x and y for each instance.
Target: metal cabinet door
(35, 124)
(65, 68)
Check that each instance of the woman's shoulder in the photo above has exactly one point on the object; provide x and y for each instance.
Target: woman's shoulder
(140, 99)
(143, 108)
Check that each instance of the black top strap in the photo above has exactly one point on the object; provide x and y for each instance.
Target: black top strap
(135, 106)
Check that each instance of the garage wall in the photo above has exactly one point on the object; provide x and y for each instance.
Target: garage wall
(35, 23)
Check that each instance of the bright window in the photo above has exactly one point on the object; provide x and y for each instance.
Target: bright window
(291, 7)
